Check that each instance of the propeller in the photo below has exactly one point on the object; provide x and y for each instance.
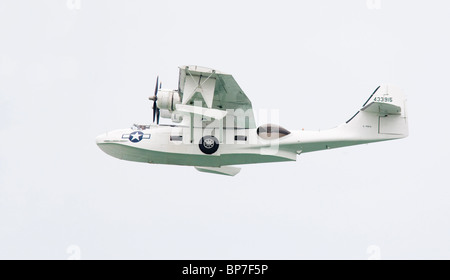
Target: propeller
(154, 98)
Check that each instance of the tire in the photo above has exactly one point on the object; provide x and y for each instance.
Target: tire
(209, 145)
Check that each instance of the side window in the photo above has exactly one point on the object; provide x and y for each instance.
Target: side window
(176, 138)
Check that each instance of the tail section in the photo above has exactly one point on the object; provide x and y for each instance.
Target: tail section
(383, 116)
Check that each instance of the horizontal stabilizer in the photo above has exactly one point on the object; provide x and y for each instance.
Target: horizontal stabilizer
(224, 170)
(382, 108)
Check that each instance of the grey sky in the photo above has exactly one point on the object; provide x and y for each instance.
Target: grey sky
(67, 75)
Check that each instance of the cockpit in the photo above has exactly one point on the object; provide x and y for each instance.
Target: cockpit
(272, 132)
(140, 127)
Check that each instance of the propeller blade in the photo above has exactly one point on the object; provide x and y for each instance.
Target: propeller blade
(157, 119)
(155, 108)
(155, 98)
(156, 88)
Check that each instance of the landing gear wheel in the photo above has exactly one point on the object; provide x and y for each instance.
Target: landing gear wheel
(209, 145)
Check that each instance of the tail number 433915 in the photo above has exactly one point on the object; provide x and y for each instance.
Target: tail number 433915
(383, 99)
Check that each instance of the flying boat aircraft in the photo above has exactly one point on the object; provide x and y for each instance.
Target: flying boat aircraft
(213, 127)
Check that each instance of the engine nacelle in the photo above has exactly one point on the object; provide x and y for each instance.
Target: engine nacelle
(176, 118)
(168, 99)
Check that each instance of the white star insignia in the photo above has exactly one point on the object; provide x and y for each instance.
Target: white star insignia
(136, 136)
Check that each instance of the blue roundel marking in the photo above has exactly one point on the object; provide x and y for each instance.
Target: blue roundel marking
(136, 136)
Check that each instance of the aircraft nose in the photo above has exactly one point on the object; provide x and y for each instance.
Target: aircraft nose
(101, 138)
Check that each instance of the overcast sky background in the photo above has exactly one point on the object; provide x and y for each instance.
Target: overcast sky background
(70, 71)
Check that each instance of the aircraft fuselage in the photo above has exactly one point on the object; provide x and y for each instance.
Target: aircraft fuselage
(177, 145)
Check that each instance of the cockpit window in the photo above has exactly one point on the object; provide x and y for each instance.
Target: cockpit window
(140, 127)
(272, 131)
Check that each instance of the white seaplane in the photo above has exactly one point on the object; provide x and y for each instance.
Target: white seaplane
(213, 127)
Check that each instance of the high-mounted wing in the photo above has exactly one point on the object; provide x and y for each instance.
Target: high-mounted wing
(211, 89)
